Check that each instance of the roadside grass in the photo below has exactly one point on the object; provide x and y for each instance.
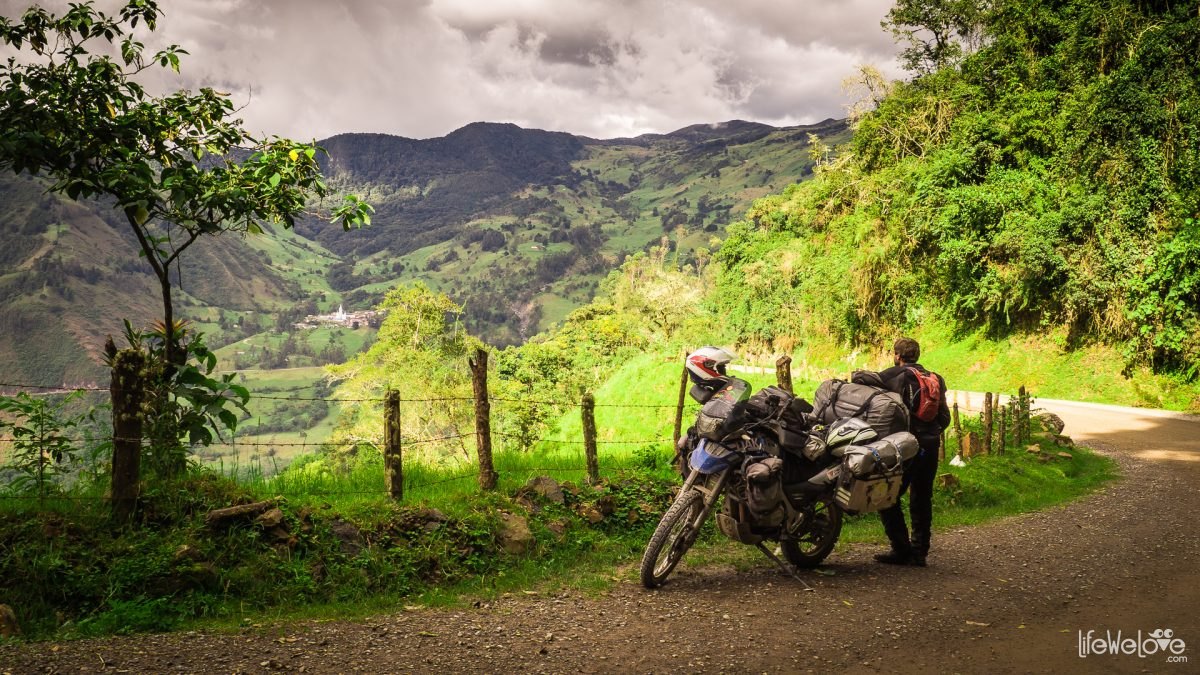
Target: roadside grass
(441, 546)
(1044, 363)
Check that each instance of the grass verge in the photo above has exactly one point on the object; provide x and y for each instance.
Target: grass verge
(67, 573)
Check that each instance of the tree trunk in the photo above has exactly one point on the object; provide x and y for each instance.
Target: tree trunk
(126, 390)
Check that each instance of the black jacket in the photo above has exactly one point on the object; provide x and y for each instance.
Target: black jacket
(900, 380)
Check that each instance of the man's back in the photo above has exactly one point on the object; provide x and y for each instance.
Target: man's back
(901, 380)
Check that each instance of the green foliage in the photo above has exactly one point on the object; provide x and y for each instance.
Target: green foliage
(41, 453)
(1050, 179)
(935, 31)
(421, 350)
(184, 406)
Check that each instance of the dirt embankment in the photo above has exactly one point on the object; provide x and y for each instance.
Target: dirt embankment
(1010, 596)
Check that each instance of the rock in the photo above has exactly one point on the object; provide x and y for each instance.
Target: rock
(1034, 449)
(278, 534)
(558, 528)
(957, 460)
(525, 501)
(270, 519)
(514, 535)
(187, 553)
(350, 539)
(948, 481)
(202, 575)
(1065, 455)
(226, 516)
(1051, 422)
(606, 505)
(546, 487)
(593, 514)
(8, 622)
(1064, 441)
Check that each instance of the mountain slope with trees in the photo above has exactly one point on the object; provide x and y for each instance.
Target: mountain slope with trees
(1042, 176)
(518, 225)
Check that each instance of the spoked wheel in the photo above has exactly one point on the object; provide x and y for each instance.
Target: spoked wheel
(675, 534)
(810, 547)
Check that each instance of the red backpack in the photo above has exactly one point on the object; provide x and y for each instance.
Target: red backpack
(929, 395)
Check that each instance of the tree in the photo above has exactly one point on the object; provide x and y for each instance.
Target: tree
(178, 166)
(935, 31)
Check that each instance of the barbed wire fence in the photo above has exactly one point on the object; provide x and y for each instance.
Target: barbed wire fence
(999, 423)
(392, 444)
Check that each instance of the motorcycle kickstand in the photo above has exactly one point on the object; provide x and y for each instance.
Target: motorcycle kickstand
(791, 571)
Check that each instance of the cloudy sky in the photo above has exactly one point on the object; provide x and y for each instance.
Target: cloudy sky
(601, 68)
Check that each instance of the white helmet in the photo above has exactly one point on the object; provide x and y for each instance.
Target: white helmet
(707, 363)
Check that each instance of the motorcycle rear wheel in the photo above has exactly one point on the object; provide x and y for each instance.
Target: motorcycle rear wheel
(675, 534)
(812, 547)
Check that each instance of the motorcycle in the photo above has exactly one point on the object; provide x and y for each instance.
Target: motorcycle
(772, 472)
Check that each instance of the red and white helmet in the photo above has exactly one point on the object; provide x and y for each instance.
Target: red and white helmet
(708, 363)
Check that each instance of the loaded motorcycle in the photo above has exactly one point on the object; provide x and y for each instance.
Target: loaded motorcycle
(772, 468)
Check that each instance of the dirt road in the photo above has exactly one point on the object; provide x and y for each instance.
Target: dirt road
(1008, 597)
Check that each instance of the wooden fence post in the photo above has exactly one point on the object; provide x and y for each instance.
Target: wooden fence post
(393, 467)
(783, 373)
(483, 419)
(973, 444)
(1003, 410)
(588, 410)
(987, 423)
(958, 439)
(683, 386)
(1023, 417)
(126, 390)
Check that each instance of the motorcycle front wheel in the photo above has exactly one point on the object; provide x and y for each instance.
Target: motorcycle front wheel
(809, 548)
(675, 534)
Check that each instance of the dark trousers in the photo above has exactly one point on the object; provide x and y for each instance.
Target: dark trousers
(918, 483)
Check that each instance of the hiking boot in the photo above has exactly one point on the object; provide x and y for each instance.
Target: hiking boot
(917, 560)
(894, 557)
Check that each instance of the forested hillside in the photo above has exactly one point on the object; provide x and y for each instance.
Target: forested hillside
(519, 225)
(1047, 182)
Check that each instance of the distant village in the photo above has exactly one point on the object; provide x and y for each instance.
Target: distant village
(341, 317)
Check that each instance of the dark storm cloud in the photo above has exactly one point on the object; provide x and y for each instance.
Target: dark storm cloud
(420, 68)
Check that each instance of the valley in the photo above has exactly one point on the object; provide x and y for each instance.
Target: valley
(516, 226)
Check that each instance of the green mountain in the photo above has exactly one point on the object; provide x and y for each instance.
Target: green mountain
(69, 276)
(518, 225)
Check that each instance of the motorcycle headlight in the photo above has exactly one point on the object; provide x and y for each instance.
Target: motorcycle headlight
(710, 457)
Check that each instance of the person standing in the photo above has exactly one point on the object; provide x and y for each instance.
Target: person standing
(924, 393)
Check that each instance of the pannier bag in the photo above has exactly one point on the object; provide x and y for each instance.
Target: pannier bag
(883, 410)
(764, 491)
(859, 495)
(871, 475)
(884, 456)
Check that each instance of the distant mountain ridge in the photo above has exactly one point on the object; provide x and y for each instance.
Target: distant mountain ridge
(517, 224)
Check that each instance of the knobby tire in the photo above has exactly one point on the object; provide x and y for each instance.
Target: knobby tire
(817, 543)
(675, 534)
